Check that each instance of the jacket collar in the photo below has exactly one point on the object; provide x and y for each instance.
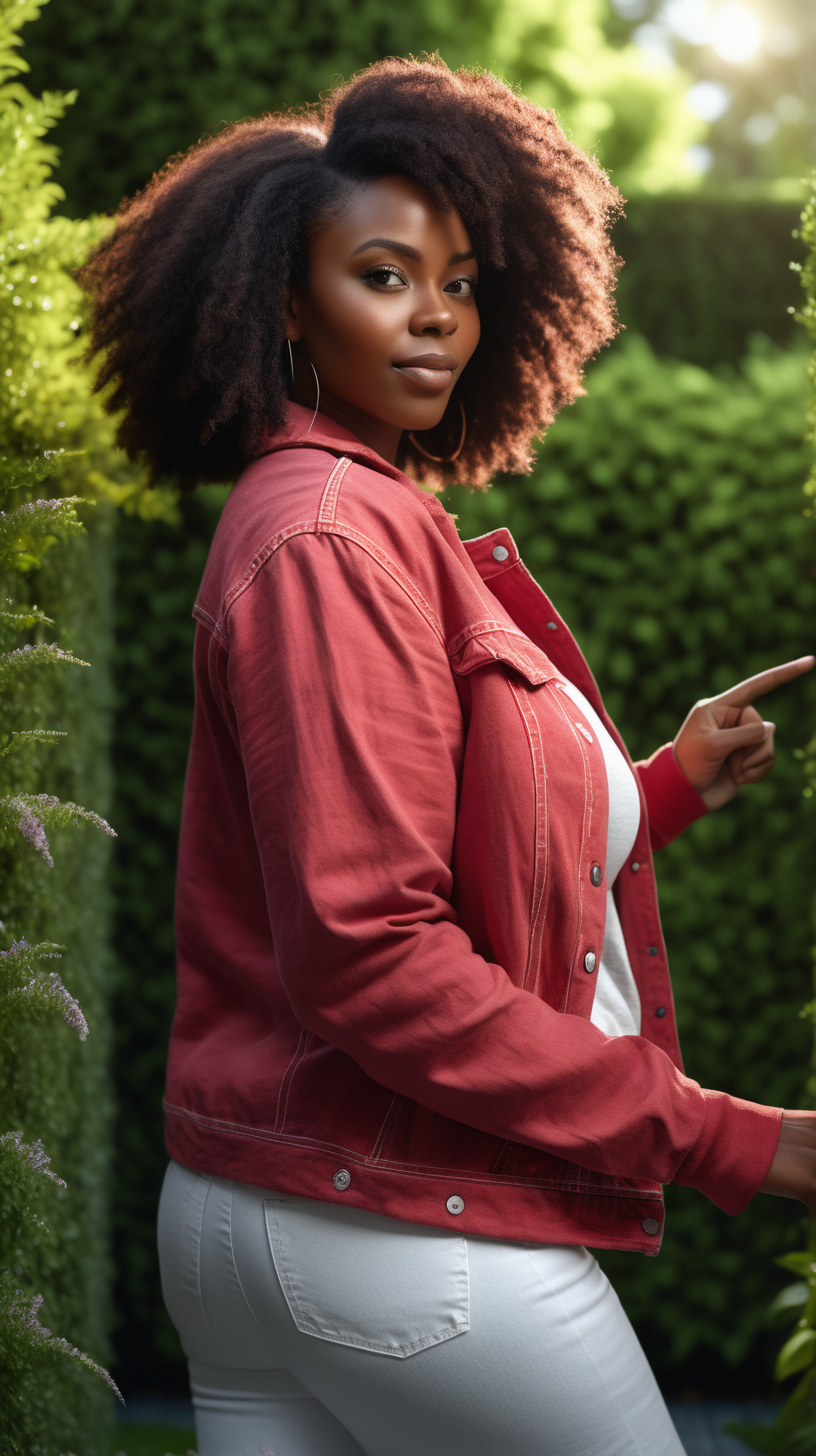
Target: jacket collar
(326, 435)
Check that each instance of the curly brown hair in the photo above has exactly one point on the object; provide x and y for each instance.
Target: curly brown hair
(188, 291)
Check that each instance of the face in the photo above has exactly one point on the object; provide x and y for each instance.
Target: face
(389, 319)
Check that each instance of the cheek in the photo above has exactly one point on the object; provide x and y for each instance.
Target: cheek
(363, 325)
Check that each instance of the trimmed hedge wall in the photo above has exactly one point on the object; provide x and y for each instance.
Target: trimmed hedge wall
(665, 518)
(158, 569)
(54, 1090)
(701, 276)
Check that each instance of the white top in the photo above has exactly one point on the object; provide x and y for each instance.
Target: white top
(616, 1008)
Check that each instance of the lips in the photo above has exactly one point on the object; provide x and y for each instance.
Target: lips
(434, 371)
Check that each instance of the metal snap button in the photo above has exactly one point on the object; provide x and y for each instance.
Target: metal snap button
(652, 950)
(651, 1226)
(635, 866)
(589, 961)
(500, 553)
(341, 1179)
(661, 1011)
(552, 626)
(455, 1204)
(596, 875)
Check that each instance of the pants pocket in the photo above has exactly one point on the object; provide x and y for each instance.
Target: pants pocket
(359, 1279)
(181, 1216)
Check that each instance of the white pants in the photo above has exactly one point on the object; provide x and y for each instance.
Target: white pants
(318, 1330)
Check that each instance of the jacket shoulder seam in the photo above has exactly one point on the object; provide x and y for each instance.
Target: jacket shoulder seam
(327, 528)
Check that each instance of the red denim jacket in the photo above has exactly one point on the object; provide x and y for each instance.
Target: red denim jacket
(386, 917)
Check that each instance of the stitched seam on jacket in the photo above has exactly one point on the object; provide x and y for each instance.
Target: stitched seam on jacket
(203, 616)
(328, 504)
(306, 528)
(387, 1127)
(413, 1170)
(475, 630)
(536, 924)
(309, 1038)
(285, 1081)
(586, 825)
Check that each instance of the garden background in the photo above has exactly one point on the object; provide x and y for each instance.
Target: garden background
(666, 517)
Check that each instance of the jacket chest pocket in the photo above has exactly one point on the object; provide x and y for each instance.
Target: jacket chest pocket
(487, 642)
(359, 1279)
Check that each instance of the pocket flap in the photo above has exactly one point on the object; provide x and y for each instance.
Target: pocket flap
(497, 644)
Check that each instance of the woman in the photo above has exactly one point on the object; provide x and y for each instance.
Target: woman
(424, 1051)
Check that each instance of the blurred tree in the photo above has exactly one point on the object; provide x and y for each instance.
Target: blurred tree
(752, 63)
(608, 92)
(152, 78)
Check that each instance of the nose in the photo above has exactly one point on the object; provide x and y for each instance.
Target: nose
(434, 315)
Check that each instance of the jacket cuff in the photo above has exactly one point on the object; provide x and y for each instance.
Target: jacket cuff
(730, 1160)
(671, 799)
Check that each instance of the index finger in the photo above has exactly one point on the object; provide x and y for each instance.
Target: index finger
(744, 693)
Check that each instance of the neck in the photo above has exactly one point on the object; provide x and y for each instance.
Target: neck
(376, 434)
(384, 439)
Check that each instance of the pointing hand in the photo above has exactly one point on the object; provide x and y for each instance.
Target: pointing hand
(724, 743)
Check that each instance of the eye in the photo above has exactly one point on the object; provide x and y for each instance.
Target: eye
(385, 277)
(462, 287)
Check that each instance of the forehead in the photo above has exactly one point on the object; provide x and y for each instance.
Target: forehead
(396, 208)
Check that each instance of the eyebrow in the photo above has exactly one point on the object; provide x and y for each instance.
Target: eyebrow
(406, 250)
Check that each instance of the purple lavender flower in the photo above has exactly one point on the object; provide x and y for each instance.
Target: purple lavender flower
(53, 652)
(48, 989)
(33, 1154)
(25, 1314)
(33, 830)
(71, 1009)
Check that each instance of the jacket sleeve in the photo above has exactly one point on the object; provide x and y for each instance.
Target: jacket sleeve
(344, 708)
(671, 799)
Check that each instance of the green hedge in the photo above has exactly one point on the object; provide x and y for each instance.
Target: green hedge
(702, 276)
(153, 77)
(158, 569)
(53, 1089)
(665, 518)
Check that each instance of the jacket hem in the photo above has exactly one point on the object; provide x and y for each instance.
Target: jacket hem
(494, 1206)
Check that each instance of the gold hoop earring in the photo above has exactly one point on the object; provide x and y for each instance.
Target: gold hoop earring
(443, 459)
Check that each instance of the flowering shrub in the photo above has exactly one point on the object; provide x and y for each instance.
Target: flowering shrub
(60, 473)
(30, 989)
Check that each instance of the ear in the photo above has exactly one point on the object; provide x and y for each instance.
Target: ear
(292, 310)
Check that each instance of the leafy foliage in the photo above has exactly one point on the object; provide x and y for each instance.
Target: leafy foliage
(762, 138)
(30, 993)
(59, 472)
(794, 1431)
(702, 275)
(152, 78)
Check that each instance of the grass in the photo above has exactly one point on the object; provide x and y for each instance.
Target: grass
(153, 1441)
